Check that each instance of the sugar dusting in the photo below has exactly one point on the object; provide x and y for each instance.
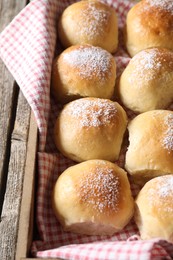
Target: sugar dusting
(92, 112)
(90, 61)
(156, 113)
(162, 190)
(149, 64)
(100, 189)
(94, 21)
(146, 62)
(162, 4)
(168, 135)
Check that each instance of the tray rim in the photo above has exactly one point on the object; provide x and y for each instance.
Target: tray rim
(26, 216)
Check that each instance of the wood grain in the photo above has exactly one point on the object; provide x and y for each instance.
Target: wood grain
(8, 96)
(12, 200)
(14, 125)
(25, 231)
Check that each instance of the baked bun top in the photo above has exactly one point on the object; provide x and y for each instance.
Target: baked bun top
(89, 22)
(96, 198)
(150, 151)
(91, 72)
(149, 24)
(147, 81)
(91, 128)
(154, 209)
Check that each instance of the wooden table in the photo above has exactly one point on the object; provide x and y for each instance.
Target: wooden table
(17, 130)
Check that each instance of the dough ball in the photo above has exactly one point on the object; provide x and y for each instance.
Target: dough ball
(89, 22)
(93, 198)
(149, 24)
(90, 128)
(83, 71)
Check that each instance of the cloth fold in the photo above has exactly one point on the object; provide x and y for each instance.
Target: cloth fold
(27, 47)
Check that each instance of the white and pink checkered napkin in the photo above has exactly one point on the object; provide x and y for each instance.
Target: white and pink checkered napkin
(27, 47)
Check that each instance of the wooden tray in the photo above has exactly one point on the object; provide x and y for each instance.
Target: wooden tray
(26, 219)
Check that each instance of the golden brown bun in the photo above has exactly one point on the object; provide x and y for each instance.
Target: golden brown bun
(89, 22)
(93, 198)
(154, 209)
(90, 128)
(150, 152)
(147, 82)
(149, 24)
(82, 71)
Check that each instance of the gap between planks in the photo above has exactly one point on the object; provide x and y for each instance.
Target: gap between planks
(12, 199)
(8, 97)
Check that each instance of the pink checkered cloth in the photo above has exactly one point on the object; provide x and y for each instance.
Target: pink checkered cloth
(27, 47)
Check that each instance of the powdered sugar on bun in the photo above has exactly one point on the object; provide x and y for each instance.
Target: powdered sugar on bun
(92, 112)
(168, 134)
(154, 209)
(147, 81)
(95, 21)
(91, 128)
(162, 4)
(82, 71)
(162, 189)
(150, 152)
(91, 22)
(101, 190)
(89, 61)
(96, 198)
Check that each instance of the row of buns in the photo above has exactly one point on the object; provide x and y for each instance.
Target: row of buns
(148, 24)
(148, 73)
(145, 84)
(94, 197)
(92, 128)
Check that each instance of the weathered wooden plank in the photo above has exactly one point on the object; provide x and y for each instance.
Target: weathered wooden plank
(8, 9)
(12, 200)
(25, 237)
(41, 258)
(8, 96)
